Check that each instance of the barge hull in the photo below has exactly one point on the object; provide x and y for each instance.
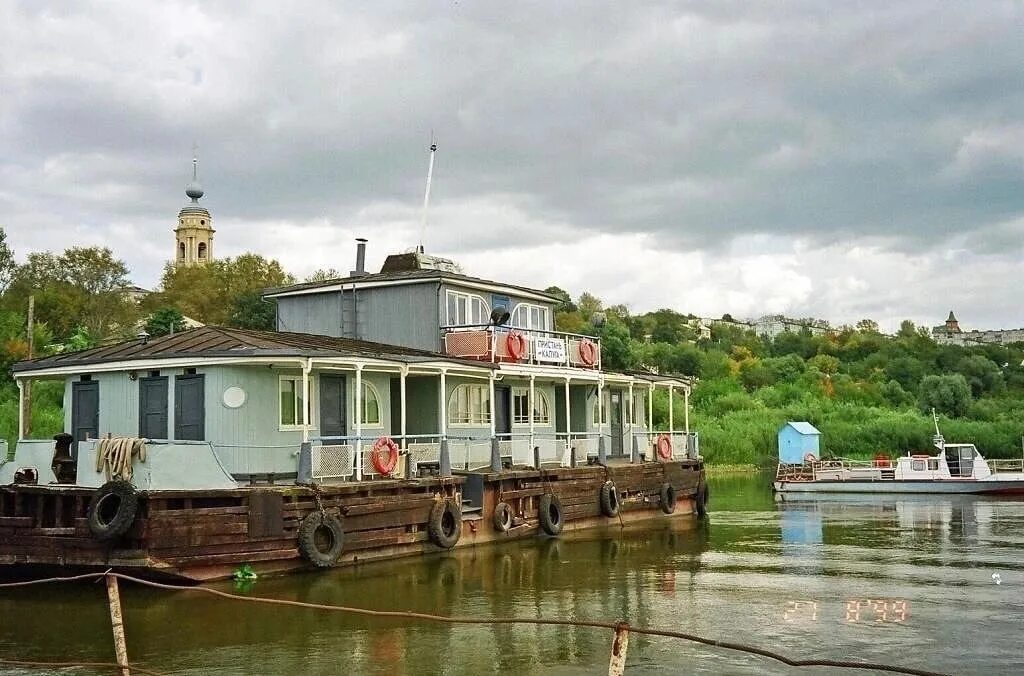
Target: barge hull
(944, 487)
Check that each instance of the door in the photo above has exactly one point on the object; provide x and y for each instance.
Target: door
(503, 411)
(85, 412)
(153, 408)
(333, 421)
(615, 421)
(967, 461)
(190, 407)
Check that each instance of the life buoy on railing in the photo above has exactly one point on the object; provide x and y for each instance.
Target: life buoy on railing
(664, 446)
(588, 352)
(810, 458)
(384, 455)
(515, 343)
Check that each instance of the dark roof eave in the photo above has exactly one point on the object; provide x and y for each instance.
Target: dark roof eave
(422, 276)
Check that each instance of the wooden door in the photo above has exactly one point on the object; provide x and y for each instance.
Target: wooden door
(85, 412)
(190, 407)
(153, 407)
(333, 418)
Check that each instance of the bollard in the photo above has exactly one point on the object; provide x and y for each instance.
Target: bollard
(617, 663)
(445, 464)
(408, 465)
(495, 455)
(536, 457)
(602, 454)
(572, 456)
(635, 459)
(117, 623)
(305, 471)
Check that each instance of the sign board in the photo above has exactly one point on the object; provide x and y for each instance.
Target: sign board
(549, 349)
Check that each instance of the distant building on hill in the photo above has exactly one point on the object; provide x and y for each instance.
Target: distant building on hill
(770, 326)
(950, 333)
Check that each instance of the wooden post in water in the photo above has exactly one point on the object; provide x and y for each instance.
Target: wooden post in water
(617, 664)
(117, 623)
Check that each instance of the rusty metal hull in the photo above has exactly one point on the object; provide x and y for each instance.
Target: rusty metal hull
(205, 535)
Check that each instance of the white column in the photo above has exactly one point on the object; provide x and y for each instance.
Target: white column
(494, 429)
(568, 420)
(530, 413)
(21, 409)
(401, 390)
(629, 418)
(650, 415)
(443, 423)
(671, 424)
(307, 366)
(600, 408)
(686, 414)
(359, 422)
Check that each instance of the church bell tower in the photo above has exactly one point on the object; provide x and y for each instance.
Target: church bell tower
(193, 238)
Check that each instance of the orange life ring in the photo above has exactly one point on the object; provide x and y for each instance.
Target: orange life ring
(664, 445)
(882, 460)
(588, 352)
(384, 455)
(515, 343)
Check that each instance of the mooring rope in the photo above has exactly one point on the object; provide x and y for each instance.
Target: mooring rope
(66, 665)
(115, 455)
(454, 619)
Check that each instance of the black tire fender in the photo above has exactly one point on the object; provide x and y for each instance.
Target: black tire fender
(321, 539)
(445, 524)
(502, 517)
(668, 498)
(609, 499)
(550, 513)
(700, 501)
(112, 510)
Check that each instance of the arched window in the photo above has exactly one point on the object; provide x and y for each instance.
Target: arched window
(470, 404)
(202, 250)
(371, 405)
(528, 316)
(521, 407)
(464, 309)
(181, 250)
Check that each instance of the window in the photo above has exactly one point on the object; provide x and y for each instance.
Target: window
(464, 308)
(639, 407)
(202, 249)
(933, 464)
(527, 316)
(603, 415)
(371, 405)
(917, 465)
(521, 407)
(181, 251)
(290, 398)
(470, 405)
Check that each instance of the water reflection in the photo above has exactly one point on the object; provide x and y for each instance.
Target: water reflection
(822, 577)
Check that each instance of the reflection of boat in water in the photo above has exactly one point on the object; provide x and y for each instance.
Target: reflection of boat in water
(955, 468)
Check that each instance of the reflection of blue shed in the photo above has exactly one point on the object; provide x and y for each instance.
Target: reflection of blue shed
(796, 440)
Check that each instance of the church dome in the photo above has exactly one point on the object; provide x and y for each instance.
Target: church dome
(194, 190)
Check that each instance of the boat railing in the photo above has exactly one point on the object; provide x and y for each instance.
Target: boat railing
(835, 469)
(539, 347)
(1006, 466)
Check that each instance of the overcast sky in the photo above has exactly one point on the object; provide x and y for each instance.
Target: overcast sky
(832, 159)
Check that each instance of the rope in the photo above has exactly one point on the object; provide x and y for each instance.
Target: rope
(402, 614)
(114, 456)
(111, 665)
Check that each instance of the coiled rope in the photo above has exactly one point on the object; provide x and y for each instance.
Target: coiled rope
(727, 645)
(115, 456)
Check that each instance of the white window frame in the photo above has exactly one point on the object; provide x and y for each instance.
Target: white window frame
(640, 407)
(297, 384)
(369, 387)
(471, 303)
(541, 406)
(470, 416)
(604, 411)
(526, 310)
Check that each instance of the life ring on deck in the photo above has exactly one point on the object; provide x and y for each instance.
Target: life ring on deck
(668, 498)
(609, 498)
(664, 447)
(112, 509)
(515, 343)
(321, 539)
(445, 524)
(588, 352)
(810, 459)
(549, 511)
(384, 455)
(882, 460)
(503, 517)
(700, 501)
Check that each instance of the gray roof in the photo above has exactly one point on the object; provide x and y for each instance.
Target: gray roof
(213, 341)
(413, 275)
(804, 428)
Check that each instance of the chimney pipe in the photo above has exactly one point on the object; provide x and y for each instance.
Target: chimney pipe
(360, 257)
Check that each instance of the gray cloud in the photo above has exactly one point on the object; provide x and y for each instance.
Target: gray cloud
(699, 124)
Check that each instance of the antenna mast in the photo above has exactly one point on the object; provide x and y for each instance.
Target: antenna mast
(426, 194)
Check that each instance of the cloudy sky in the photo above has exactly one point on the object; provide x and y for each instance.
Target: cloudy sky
(832, 159)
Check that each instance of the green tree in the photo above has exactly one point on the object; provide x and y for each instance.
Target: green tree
(947, 394)
(566, 304)
(982, 374)
(250, 311)
(7, 264)
(322, 275)
(164, 321)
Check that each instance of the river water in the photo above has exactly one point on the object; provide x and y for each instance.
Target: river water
(900, 580)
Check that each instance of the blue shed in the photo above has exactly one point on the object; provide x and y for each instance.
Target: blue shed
(796, 440)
